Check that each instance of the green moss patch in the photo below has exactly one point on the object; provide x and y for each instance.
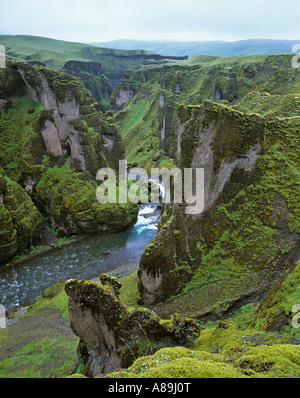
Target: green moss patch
(40, 345)
(20, 143)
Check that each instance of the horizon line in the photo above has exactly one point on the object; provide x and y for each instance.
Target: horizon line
(151, 40)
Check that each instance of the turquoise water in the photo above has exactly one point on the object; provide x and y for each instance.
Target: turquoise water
(85, 259)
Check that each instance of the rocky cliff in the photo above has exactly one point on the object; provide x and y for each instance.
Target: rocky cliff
(53, 141)
(248, 234)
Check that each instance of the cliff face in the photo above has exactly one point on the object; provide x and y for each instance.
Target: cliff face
(67, 119)
(248, 233)
(53, 141)
(91, 74)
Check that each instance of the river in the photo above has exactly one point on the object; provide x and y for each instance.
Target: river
(84, 259)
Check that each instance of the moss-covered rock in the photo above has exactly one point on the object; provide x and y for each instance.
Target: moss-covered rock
(25, 217)
(230, 340)
(276, 310)
(8, 234)
(20, 220)
(58, 117)
(224, 352)
(69, 199)
(179, 363)
(113, 335)
(281, 361)
(53, 141)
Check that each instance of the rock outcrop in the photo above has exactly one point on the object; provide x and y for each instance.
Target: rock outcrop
(69, 111)
(123, 95)
(112, 335)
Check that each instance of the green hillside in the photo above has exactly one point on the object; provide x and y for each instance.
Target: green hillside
(79, 60)
(55, 53)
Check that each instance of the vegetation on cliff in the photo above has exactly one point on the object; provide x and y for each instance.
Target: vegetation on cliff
(148, 120)
(53, 141)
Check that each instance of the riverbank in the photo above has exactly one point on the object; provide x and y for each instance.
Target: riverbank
(123, 270)
(38, 251)
(14, 313)
(81, 257)
(38, 340)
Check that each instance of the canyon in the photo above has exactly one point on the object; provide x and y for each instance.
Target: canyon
(211, 294)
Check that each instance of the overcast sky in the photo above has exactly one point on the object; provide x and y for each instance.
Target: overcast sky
(178, 20)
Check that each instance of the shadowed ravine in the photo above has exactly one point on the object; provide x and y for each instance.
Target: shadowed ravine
(85, 259)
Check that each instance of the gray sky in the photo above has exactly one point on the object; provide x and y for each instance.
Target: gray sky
(178, 20)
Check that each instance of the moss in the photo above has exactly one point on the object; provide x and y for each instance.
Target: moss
(243, 317)
(75, 197)
(275, 311)
(21, 146)
(191, 368)
(26, 218)
(129, 290)
(274, 362)
(76, 376)
(227, 339)
(53, 296)
(179, 362)
(8, 235)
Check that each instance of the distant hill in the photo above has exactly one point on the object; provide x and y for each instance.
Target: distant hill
(99, 68)
(55, 53)
(218, 48)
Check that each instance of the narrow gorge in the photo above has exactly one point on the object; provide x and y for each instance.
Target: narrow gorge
(134, 290)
